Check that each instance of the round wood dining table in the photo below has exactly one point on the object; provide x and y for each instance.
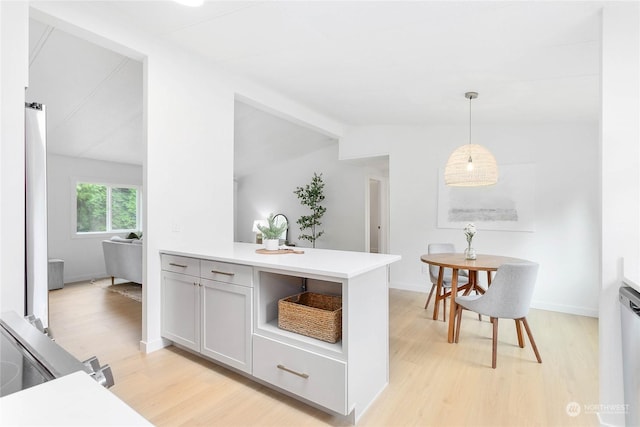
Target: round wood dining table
(456, 262)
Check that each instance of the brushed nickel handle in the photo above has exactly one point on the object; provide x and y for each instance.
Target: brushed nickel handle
(222, 272)
(177, 265)
(284, 368)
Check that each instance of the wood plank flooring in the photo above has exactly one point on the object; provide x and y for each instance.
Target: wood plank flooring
(432, 383)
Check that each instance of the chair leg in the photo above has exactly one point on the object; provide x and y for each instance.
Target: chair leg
(113, 279)
(494, 320)
(439, 287)
(519, 332)
(533, 343)
(458, 322)
(475, 288)
(444, 309)
(433, 286)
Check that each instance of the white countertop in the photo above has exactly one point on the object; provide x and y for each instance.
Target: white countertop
(74, 399)
(325, 262)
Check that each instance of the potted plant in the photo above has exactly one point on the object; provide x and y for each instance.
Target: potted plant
(310, 196)
(271, 233)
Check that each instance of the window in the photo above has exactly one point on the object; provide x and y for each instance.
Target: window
(104, 208)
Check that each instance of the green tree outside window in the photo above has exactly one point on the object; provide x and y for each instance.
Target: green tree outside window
(101, 208)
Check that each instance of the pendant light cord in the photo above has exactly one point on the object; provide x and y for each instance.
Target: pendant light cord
(470, 96)
(469, 145)
(470, 120)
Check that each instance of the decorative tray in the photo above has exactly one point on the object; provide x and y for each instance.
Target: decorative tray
(279, 251)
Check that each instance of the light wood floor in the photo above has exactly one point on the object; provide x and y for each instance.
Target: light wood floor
(431, 382)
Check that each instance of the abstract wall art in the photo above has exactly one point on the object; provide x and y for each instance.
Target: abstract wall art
(507, 205)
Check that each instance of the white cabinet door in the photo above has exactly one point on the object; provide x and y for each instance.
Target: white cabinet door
(226, 322)
(181, 309)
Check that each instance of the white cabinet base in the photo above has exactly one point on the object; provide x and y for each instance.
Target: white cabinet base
(240, 291)
(209, 317)
(311, 376)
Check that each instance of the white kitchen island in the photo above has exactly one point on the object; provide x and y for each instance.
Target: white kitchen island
(224, 306)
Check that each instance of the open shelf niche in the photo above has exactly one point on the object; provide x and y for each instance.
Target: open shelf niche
(272, 287)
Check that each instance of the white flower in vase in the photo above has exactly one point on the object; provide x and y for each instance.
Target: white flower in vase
(469, 232)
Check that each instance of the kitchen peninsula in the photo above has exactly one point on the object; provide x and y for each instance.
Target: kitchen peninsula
(224, 306)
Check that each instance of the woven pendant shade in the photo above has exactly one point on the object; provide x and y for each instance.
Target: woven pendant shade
(484, 171)
(471, 165)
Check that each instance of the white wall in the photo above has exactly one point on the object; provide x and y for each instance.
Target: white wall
(271, 190)
(620, 157)
(566, 237)
(188, 119)
(14, 61)
(82, 255)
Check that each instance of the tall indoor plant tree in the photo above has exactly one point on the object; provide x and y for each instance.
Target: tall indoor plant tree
(310, 196)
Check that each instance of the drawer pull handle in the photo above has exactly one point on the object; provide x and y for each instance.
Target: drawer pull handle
(177, 265)
(284, 368)
(222, 272)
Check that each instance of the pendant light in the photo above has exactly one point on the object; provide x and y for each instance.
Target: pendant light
(471, 165)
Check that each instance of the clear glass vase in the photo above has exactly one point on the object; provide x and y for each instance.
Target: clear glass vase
(469, 252)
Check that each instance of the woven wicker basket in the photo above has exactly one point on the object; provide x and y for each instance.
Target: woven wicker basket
(314, 315)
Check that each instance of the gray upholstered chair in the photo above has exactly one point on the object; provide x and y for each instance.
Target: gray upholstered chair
(123, 259)
(445, 292)
(508, 297)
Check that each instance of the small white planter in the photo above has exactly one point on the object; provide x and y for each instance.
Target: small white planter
(271, 244)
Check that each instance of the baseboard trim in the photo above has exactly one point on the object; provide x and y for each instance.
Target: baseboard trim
(569, 309)
(540, 305)
(85, 277)
(151, 346)
(410, 287)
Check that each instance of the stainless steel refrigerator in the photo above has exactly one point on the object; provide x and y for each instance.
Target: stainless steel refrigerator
(36, 257)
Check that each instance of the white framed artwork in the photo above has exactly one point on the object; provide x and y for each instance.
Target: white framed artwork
(507, 205)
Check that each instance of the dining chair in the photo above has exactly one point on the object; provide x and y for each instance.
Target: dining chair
(445, 292)
(508, 297)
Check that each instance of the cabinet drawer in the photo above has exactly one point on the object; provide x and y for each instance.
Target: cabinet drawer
(317, 378)
(226, 272)
(181, 264)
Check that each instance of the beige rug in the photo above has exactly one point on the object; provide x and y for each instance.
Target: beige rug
(128, 289)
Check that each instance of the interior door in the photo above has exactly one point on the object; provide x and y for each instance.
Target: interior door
(374, 216)
(377, 214)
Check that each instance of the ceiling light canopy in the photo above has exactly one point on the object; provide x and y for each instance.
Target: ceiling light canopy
(471, 165)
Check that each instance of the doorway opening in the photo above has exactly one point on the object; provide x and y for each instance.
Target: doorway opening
(377, 213)
(95, 136)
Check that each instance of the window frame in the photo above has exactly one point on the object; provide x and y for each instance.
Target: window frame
(109, 231)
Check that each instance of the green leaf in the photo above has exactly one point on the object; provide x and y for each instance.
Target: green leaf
(311, 195)
(271, 231)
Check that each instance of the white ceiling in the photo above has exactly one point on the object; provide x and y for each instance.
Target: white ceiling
(360, 62)
(262, 137)
(93, 96)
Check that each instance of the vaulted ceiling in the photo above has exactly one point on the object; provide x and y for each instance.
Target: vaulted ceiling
(93, 96)
(360, 62)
